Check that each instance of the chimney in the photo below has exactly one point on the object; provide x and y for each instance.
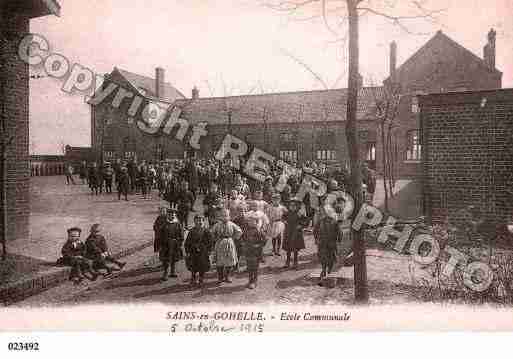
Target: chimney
(393, 60)
(160, 74)
(195, 93)
(489, 50)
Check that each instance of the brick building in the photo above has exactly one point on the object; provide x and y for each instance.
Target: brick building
(15, 16)
(468, 153)
(441, 65)
(302, 125)
(293, 126)
(113, 130)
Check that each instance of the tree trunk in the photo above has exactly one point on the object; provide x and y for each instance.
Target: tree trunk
(385, 167)
(360, 269)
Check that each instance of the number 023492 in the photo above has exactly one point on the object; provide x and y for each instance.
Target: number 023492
(18, 346)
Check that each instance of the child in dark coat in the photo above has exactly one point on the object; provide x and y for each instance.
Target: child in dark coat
(198, 245)
(254, 241)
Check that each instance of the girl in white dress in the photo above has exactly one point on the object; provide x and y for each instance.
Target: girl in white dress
(275, 212)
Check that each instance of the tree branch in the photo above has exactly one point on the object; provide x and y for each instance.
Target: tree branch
(306, 67)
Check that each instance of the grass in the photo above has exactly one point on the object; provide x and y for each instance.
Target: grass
(17, 267)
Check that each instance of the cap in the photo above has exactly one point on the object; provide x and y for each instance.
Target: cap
(74, 229)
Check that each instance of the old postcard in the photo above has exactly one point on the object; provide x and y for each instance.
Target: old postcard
(247, 166)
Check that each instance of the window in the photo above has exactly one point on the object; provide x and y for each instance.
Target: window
(326, 155)
(371, 152)
(288, 155)
(129, 154)
(287, 137)
(415, 104)
(189, 154)
(413, 146)
(108, 154)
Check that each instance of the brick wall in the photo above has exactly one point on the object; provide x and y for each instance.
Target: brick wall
(468, 154)
(15, 102)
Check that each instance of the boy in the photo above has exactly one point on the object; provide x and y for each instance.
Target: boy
(171, 239)
(327, 234)
(73, 255)
(210, 202)
(254, 241)
(198, 246)
(98, 251)
(185, 204)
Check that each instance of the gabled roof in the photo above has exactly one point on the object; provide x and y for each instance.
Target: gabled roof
(146, 86)
(438, 38)
(285, 107)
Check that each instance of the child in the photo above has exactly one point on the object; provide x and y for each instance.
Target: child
(262, 219)
(254, 241)
(170, 250)
(293, 240)
(198, 246)
(258, 200)
(225, 234)
(326, 234)
(275, 213)
(210, 202)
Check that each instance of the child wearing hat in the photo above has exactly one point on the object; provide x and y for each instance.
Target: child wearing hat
(73, 255)
(198, 246)
(98, 251)
(254, 241)
(293, 240)
(171, 239)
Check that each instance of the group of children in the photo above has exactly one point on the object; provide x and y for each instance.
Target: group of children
(237, 227)
(88, 258)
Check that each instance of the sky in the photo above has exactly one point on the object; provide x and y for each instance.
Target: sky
(230, 47)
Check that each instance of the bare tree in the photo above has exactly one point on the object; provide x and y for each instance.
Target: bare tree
(350, 11)
(386, 101)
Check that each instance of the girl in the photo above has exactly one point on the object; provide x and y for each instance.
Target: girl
(275, 213)
(225, 233)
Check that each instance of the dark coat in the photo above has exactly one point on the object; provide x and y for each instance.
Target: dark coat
(69, 251)
(198, 245)
(171, 192)
(123, 182)
(254, 242)
(95, 244)
(293, 239)
(185, 201)
(209, 202)
(171, 239)
(327, 235)
(94, 177)
(157, 226)
(83, 172)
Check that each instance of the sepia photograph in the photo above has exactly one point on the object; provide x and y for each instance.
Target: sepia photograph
(255, 166)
